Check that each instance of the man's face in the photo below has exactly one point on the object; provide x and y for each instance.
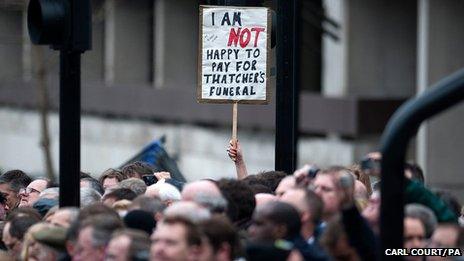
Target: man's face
(169, 242)
(31, 193)
(12, 198)
(445, 236)
(325, 187)
(12, 244)
(118, 249)
(84, 249)
(262, 228)
(110, 183)
(372, 211)
(414, 233)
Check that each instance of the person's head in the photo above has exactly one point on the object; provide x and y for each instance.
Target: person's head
(118, 194)
(89, 196)
(176, 238)
(447, 236)
(3, 206)
(309, 205)
(372, 211)
(205, 193)
(450, 200)
(263, 198)
(110, 178)
(64, 217)
(424, 214)
(10, 190)
(18, 176)
(413, 171)
(31, 193)
(285, 184)
(187, 210)
(327, 185)
(96, 209)
(240, 200)
(14, 231)
(137, 169)
(89, 182)
(128, 244)
(271, 178)
(335, 241)
(140, 220)
(43, 242)
(274, 220)
(414, 233)
(151, 205)
(221, 241)
(192, 189)
(167, 193)
(93, 236)
(134, 184)
(50, 193)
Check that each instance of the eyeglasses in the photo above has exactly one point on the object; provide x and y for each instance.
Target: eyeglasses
(324, 189)
(28, 191)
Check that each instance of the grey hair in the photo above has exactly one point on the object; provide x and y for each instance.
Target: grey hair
(51, 193)
(169, 192)
(89, 196)
(424, 214)
(215, 203)
(189, 210)
(134, 184)
(73, 213)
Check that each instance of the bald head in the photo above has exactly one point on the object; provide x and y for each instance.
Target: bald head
(262, 198)
(203, 187)
(285, 184)
(187, 209)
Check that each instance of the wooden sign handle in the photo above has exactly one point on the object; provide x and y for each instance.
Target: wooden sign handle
(234, 123)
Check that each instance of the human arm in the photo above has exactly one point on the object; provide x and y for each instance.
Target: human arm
(235, 153)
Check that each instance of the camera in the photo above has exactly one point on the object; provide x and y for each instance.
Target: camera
(149, 179)
(369, 164)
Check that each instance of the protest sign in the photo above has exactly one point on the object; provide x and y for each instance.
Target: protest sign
(234, 55)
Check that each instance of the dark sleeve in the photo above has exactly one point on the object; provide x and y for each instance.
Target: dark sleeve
(417, 193)
(360, 235)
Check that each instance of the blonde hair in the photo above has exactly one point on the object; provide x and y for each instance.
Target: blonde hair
(29, 238)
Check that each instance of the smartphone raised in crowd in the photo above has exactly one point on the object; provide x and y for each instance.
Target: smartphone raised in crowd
(149, 179)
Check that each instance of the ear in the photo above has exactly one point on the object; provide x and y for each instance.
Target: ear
(305, 217)
(224, 252)
(196, 251)
(158, 216)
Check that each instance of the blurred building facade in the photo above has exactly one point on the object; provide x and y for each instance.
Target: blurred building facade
(359, 61)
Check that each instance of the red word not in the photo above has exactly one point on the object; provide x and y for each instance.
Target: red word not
(243, 36)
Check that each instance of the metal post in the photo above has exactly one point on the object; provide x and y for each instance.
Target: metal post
(70, 132)
(287, 85)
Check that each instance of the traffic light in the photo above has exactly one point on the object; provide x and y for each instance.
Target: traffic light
(62, 24)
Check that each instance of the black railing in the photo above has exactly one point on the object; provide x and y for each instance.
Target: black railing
(400, 129)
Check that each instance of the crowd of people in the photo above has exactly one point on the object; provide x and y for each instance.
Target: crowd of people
(140, 213)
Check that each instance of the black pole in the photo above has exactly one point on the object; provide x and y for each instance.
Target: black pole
(70, 107)
(400, 129)
(287, 85)
(66, 26)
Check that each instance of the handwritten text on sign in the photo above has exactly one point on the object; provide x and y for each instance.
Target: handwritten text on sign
(234, 54)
